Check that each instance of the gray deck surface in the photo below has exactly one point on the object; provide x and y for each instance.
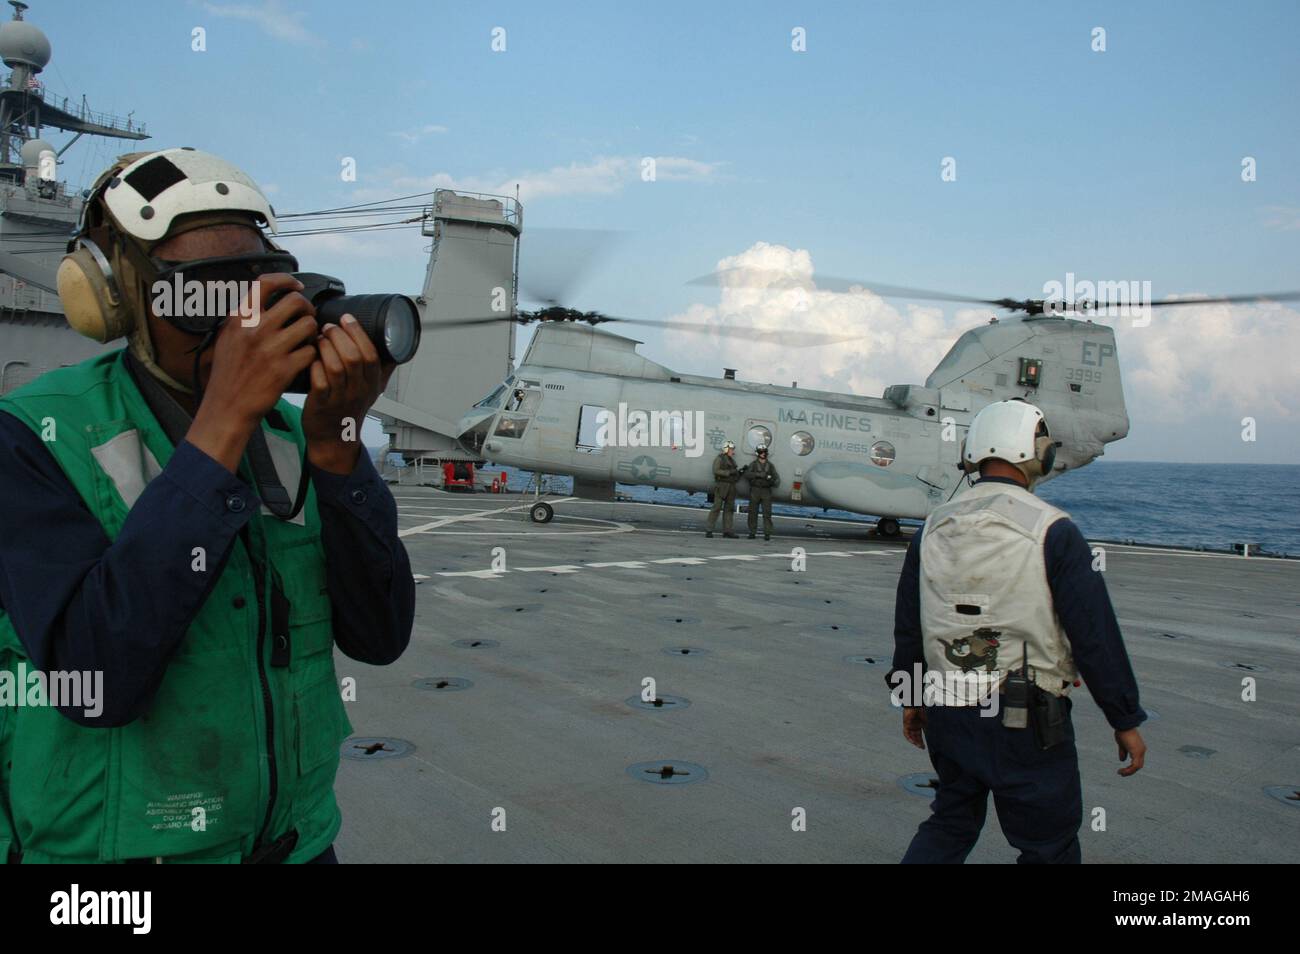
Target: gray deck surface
(777, 716)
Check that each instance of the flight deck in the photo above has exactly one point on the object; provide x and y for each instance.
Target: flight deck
(516, 726)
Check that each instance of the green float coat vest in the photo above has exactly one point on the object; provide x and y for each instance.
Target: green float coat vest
(193, 777)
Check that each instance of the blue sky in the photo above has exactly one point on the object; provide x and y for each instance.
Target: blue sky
(1115, 165)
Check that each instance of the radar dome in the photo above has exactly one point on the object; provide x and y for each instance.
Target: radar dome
(22, 44)
(32, 149)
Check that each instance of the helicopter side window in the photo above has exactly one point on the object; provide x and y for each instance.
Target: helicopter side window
(802, 443)
(593, 424)
(757, 436)
(672, 431)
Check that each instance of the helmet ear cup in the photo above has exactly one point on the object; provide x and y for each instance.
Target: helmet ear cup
(1044, 458)
(1045, 448)
(92, 299)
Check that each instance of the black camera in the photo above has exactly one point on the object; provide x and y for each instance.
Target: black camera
(391, 321)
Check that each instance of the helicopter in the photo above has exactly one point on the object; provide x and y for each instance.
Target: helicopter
(584, 403)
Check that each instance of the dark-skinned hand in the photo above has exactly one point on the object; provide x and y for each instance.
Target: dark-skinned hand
(253, 361)
(346, 379)
(914, 725)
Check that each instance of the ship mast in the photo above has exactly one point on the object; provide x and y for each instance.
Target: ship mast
(25, 106)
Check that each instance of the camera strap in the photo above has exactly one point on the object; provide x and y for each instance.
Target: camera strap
(176, 423)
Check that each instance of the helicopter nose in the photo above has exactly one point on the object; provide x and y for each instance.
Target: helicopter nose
(473, 428)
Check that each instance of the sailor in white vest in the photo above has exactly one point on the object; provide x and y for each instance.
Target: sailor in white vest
(998, 595)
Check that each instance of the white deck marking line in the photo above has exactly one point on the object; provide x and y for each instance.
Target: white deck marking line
(642, 564)
(473, 515)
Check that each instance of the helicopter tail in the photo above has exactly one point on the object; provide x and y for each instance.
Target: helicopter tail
(1068, 368)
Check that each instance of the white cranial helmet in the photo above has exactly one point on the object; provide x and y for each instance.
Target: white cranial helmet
(1013, 431)
(149, 194)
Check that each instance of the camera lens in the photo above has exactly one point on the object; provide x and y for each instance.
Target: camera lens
(401, 325)
(391, 321)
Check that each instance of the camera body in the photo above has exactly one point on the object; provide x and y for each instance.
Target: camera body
(392, 322)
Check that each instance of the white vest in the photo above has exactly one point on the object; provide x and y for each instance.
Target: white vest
(984, 592)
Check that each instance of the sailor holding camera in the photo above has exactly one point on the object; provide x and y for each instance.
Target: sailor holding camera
(174, 523)
(1000, 585)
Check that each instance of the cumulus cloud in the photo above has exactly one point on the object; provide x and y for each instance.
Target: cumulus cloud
(1190, 362)
(771, 288)
(1197, 360)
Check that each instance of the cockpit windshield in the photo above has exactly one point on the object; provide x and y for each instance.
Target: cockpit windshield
(493, 400)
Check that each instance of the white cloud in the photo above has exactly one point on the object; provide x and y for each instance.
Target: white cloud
(1284, 218)
(897, 347)
(1193, 362)
(602, 175)
(678, 169)
(273, 19)
(416, 133)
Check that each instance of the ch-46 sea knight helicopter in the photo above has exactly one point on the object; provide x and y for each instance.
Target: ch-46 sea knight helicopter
(892, 457)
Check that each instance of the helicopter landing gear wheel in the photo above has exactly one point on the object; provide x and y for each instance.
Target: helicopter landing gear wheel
(887, 527)
(541, 513)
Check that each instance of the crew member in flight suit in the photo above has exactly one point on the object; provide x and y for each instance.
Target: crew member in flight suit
(762, 478)
(725, 475)
(1000, 585)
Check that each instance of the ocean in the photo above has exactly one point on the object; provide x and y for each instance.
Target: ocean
(1211, 506)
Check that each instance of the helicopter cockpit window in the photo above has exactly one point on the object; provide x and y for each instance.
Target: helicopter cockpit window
(756, 437)
(802, 443)
(493, 400)
(511, 426)
(524, 400)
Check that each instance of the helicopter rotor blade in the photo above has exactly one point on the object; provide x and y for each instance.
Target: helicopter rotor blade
(786, 337)
(1216, 300)
(768, 278)
(790, 338)
(555, 262)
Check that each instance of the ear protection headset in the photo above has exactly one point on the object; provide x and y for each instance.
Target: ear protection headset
(90, 290)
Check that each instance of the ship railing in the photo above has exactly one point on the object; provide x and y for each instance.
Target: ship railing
(88, 115)
(511, 210)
